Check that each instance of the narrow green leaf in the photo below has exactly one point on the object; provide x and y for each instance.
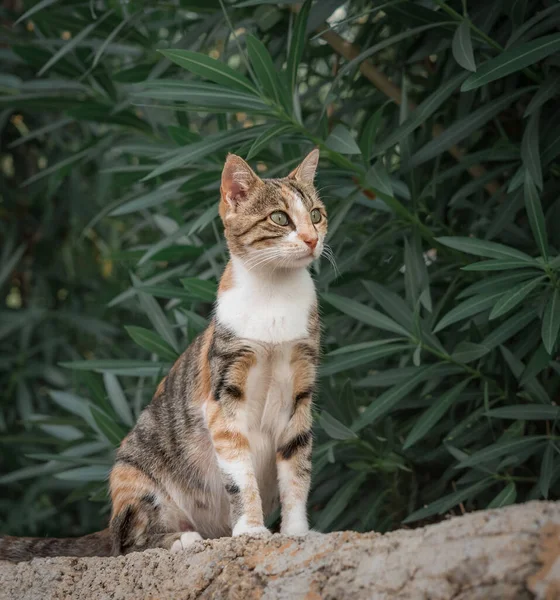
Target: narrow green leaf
(265, 70)
(526, 412)
(389, 399)
(462, 128)
(462, 46)
(506, 497)
(536, 215)
(7, 268)
(364, 313)
(551, 321)
(513, 297)
(468, 308)
(421, 113)
(530, 150)
(339, 501)
(82, 474)
(334, 428)
(495, 283)
(118, 399)
(499, 265)
(200, 288)
(297, 45)
(547, 469)
(513, 59)
(466, 352)
(484, 248)
(369, 132)
(209, 68)
(499, 449)
(548, 90)
(433, 415)
(347, 361)
(378, 178)
(152, 342)
(341, 140)
(448, 502)
(138, 368)
(274, 133)
(112, 432)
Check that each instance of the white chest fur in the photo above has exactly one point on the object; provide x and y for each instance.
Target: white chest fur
(271, 308)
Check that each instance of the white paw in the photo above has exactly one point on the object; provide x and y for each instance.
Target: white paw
(295, 529)
(242, 529)
(186, 539)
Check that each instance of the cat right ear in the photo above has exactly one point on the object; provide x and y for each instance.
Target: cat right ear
(237, 179)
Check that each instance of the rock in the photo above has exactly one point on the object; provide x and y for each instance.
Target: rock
(500, 554)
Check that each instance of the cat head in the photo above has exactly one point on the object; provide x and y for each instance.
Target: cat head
(276, 223)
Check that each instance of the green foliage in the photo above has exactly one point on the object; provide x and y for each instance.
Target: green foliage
(440, 380)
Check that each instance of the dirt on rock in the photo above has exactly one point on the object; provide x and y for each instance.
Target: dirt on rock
(488, 555)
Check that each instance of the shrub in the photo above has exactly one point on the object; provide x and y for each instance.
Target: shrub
(439, 141)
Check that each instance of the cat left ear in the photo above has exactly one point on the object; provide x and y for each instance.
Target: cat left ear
(237, 179)
(306, 170)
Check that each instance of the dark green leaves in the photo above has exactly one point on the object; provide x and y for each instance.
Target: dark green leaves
(209, 68)
(513, 59)
(462, 46)
(535, 214)
(266, 73)
(297, 45)
(484, 248)
(152, 342)
(341, 140)
(551, 321)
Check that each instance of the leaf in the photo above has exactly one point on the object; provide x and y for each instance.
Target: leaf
(152, 342)
(446, 503)
(551, 321)
(347, 361)
(297, 45)
(369, 132)
(379, 179)
(513, 59)
(421, 113)
(118, 399)
(462, 128)
(530, 150)
(341, 140)
(339, 501)
(462, 46)
(364, 313)
(495, 283)
(536, 215)
(547, 468)
(334, 428)
(513, 297)
(112, 432)
(209, 68)
(510, 327)
(75, 404)
(499, 265)
(548, 90)
(433, 415)
(506, 497)
(497, 450)
(266, 137)
(35, 8)
(200, 288)
(466, 352)
(526, 412)
(389, 399)
(484, 248)
(138, 368)
(265, 70)
(90, 473)
(389, 377)
(156, 315)
(468, 308)
(9, 265)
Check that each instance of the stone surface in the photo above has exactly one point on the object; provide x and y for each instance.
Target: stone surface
(500, 554)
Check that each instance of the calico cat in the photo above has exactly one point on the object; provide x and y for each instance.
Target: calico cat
(228, 432)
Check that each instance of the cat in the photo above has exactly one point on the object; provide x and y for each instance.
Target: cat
(227, 435)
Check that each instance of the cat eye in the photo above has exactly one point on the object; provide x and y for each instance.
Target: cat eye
(315, 215)
(280, 218)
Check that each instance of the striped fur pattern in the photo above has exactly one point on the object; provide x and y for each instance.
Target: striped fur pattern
(227, 436)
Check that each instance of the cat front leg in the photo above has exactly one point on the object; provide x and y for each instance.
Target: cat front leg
(238, 475)
(293, 456)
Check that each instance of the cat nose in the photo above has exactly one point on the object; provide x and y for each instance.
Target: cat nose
(311, 241)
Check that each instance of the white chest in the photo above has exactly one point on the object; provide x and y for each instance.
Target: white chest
(272, 308)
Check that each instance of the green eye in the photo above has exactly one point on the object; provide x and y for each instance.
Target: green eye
(315, 215)
(280, 217)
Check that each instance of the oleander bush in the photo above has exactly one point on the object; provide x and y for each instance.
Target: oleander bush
(439, 134)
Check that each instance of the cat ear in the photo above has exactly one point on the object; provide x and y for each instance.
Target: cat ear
(306, 170)
(237, 179)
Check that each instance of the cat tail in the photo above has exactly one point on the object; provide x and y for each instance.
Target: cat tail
(25, 548)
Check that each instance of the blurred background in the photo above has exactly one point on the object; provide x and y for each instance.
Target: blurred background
(439, 132)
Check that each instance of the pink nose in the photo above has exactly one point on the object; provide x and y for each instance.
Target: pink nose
(310, 241)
